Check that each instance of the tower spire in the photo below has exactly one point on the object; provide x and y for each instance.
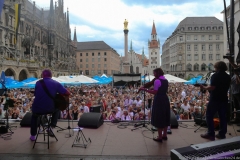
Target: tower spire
(75, 35)
(51, 15)
(154, 32)
(143, 54)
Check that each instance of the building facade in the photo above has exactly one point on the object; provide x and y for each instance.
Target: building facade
(236, 25)
(44, 40)
(194, 47)
(97, 58)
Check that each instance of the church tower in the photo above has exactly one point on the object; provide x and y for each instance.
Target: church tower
(154, 50)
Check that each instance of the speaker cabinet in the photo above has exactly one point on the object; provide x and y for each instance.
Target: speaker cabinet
(173, 120)
(90, 120)
(26, 121)
(96, 109)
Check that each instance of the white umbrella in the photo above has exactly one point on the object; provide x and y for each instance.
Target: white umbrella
(104, 75)
(172, 78)
(82, 79)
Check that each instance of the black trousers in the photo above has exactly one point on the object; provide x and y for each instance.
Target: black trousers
(34, 121)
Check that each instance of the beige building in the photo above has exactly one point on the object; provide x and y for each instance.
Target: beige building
(44, 40)
(194, 47)
(97, 58)
(236, 25)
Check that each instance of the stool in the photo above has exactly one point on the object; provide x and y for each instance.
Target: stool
(45, 127)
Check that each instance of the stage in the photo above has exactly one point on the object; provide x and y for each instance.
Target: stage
(110, 141)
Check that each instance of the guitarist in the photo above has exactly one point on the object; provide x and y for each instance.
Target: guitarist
(43, 103)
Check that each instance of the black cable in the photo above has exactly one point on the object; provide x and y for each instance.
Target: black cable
(144, 135)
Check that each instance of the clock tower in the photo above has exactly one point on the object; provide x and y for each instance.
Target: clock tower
(153, 50)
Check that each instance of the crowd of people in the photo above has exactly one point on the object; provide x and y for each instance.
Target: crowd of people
(116, 103)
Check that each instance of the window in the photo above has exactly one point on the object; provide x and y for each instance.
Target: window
(86, 59)
(188, 38)
(81, 66)
(203, 38)
(180, 38)
(99, 71)
(93, 72)
(217, 56)
(87, 72)
(195, 37)
(80, 72)
(155, 53)
(196, 28)
(189, 67)
(99, 54)
(210, 37)
(105, 59)
(218, 47)
(86, 54)
(189, 57)
(99, 59)
(217, 37)
(180, 47)
(210, 47)
(92, 65)
(190, 28)
(210, 57)
(92, 59)
(86, 65)
(196, 57)
(195, 47)
(105, 71)
(105, 65)
(196, 67)
(179, 58)
(203, 67)
(203, 47)
(80, 60)
(204, 57)
(188, 47)
(92, 54)
(105, 53)
(99, 65)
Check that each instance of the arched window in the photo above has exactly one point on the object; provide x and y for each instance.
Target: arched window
(203, 67)
(196, 67)
(189, 67)
(137, 69)
(211, 67)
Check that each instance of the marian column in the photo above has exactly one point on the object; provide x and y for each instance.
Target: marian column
(125, 39)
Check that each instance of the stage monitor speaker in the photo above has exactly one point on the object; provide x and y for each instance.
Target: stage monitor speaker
(26, 121)
(96, 109)
(90, 120)
(173, 120)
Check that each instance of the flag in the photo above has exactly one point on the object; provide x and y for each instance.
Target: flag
(17, 19)
(1, 6)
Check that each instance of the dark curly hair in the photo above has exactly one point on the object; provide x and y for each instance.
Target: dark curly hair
(159, 72)
(221, 66)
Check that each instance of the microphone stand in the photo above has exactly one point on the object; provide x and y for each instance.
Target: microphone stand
(6, 106)
(143, 124)
(206, 80)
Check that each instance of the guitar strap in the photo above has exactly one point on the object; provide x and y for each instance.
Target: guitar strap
(45, 89)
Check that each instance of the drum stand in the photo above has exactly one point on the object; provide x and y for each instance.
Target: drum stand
(80, 140)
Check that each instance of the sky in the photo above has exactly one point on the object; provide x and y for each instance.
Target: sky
(102, 20)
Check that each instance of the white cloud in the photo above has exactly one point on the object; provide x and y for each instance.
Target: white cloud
(103, 19)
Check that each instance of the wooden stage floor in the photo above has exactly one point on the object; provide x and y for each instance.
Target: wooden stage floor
(110, 141)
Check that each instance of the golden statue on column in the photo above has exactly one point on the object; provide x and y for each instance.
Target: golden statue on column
(125, 25)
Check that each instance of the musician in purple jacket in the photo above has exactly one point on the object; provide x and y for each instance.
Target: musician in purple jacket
(44, 104)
